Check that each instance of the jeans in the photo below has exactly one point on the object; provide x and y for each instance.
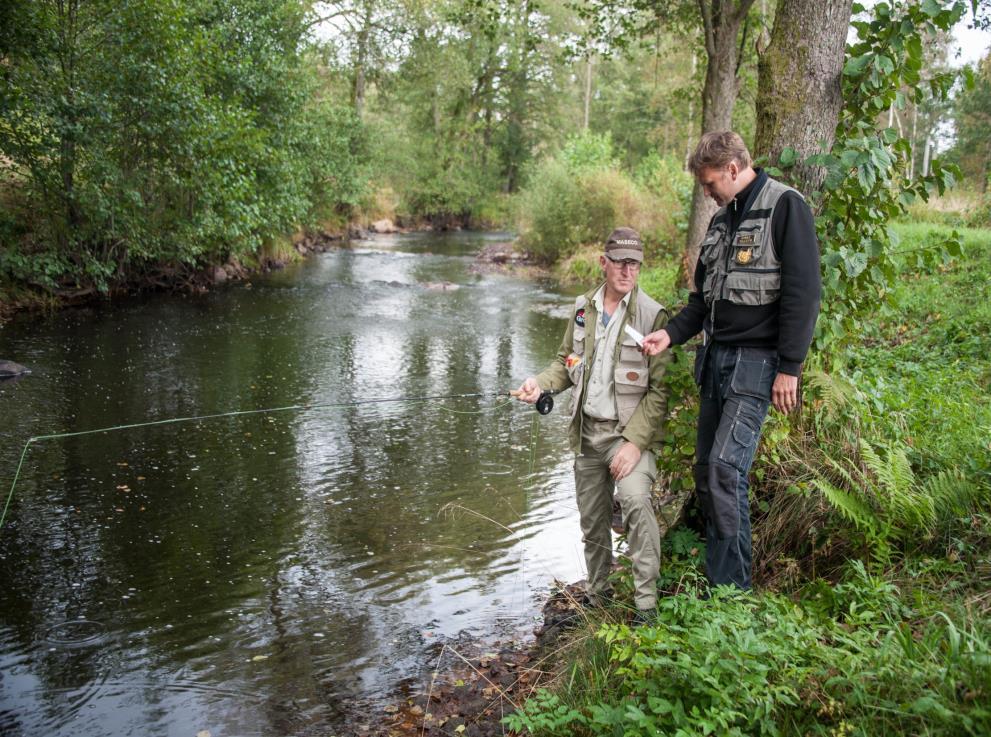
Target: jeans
(735, 391)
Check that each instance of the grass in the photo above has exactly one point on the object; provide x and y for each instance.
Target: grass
(872, 527)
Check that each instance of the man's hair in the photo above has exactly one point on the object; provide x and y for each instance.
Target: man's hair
(718, 149)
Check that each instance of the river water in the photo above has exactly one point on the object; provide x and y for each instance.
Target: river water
(256, 575)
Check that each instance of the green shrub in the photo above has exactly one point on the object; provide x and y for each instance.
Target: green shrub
(589, 152)
(854, 659)
(569, 202)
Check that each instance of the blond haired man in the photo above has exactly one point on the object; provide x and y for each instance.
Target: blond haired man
(756, 300)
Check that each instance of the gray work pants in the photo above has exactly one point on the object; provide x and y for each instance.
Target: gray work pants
(735, 387)
(594, 487)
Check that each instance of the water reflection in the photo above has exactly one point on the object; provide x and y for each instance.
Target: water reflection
(247, 575)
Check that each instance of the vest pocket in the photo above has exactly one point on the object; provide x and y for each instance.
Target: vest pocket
(578, 340)
(631, 385)
(753, 288)
(630, 354)
(575, 374)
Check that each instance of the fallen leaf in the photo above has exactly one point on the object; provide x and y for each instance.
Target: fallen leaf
(259, 657)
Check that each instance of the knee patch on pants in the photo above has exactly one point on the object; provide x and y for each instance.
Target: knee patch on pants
(723, 481)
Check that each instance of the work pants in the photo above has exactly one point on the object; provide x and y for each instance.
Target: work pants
(594, 487)
(735, 391)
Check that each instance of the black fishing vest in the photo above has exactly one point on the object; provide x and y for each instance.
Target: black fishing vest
(743, 268)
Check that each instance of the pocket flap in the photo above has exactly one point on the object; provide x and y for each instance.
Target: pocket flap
(630, 380)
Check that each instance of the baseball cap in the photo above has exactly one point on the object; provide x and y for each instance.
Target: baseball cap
(624, 243)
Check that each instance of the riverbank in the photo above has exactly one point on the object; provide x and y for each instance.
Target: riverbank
(183, 278)
(872, 551)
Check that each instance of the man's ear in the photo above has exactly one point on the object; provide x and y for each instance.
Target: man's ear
(734, 170)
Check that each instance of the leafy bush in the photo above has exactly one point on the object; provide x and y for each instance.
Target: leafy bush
(180, 133)
(849, 659)
(589, 152)
(578, 196)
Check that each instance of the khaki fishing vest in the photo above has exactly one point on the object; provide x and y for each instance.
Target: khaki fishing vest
(744, 268)
(631, 373)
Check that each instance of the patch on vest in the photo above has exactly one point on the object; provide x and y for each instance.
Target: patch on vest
(744, 255)
(747, 239)
(580, 318)
(632, 375)
(573, 360)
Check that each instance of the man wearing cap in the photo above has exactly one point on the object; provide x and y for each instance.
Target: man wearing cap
(756, 300)
(616, 410)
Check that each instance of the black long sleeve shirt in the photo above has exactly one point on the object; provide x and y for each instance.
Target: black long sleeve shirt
(787, 324)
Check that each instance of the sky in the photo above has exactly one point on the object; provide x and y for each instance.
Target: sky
(972, 44)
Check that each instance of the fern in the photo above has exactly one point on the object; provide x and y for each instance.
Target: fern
(849, 506)
(836, 393)
(951, 494)
(901, 500)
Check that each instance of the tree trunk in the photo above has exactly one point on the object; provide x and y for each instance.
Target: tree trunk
(798, 96)
(588, 92)
(361, 60)
(721, 21)
(518, 99)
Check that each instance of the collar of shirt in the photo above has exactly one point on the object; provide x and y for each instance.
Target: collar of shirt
(599, 300)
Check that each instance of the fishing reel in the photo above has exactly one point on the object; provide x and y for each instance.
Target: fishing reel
(544, 403)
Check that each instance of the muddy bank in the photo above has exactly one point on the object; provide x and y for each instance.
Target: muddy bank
(473, 685)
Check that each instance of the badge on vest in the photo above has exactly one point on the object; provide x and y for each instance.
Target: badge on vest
(580, 318)
(573, 360)
(745, 255)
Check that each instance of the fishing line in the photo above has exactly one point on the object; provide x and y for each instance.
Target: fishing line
(544, 406)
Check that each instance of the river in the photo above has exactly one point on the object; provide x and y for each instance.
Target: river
(258, 574)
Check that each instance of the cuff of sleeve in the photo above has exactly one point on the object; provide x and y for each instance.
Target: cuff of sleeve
(792, 368)
(635, 441)
(676, 337)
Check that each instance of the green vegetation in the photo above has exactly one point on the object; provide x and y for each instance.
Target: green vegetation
(155, 136)
(872, 548)
(577, 196)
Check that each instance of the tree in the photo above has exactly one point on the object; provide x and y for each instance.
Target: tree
(719, 23)
(867, 170)
(366, 33)
(799, 94)
(972, 114)
(152, 135)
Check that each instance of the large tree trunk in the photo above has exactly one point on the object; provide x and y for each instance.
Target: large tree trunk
(798, 95)
(721, 21)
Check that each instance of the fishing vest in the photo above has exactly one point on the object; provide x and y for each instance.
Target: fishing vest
(743, 268)
(630, 371)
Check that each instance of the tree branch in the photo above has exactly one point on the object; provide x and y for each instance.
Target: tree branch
(740, 11)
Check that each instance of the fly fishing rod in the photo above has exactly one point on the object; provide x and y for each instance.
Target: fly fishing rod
(543, 405)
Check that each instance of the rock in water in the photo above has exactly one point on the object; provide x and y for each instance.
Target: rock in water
(383, 226)
(9, 369)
